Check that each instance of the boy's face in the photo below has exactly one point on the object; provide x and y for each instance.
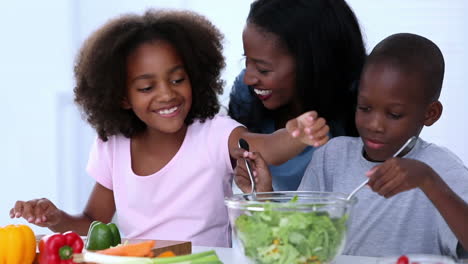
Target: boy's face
(391, 108)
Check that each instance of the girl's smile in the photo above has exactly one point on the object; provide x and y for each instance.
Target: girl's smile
(169, 111)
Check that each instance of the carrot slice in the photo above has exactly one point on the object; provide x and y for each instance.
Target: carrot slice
(166, 254)
(142, 249)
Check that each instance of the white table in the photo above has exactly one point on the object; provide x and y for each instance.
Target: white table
(233, 256)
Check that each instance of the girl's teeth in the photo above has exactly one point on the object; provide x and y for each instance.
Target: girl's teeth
(262, 92)
(168, 111)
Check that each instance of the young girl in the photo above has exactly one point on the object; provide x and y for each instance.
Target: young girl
(163, 160)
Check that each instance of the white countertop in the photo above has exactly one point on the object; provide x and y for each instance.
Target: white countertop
(233, 256)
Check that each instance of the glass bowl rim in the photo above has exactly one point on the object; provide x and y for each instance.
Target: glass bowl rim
(245, 201)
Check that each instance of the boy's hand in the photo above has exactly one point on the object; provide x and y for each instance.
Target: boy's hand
(41, 212)
(261, 173)
(309, 128)
(397, 175)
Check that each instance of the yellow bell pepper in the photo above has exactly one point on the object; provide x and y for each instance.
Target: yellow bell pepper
(17, 244)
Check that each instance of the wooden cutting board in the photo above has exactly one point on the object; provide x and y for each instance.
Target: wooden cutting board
(178, 247)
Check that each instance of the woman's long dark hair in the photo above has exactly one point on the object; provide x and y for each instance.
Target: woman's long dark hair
(325, 39)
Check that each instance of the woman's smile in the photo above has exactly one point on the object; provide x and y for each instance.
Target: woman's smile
(263, 94)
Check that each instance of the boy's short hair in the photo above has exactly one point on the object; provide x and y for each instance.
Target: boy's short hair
(412, 54)
(100, 69)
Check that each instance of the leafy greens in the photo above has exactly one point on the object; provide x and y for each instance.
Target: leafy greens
(291, 237)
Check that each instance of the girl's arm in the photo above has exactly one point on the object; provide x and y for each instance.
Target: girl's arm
(42, 212)
(100, 206)
(284, 144)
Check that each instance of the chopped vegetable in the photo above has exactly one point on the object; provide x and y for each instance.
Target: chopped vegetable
(166, 254)
(102, 236)
(289, 236)
(17, 244)
(142, 249)
(59, 248)
(207, 257)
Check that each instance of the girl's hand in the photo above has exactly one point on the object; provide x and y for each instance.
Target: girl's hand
(309, 128)
(397, 175)
(40, 212)
(261, 173)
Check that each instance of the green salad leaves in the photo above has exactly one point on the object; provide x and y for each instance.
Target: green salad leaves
(278, 236)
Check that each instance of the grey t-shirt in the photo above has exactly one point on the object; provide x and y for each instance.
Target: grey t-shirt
(407, 223)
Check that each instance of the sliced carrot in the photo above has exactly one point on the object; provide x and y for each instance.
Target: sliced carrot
(142, 249)
(166, 254)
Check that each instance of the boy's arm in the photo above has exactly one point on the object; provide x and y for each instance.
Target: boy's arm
(398, 175)
(452, 208)
(284, 144)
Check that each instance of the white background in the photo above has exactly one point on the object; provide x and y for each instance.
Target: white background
(44, 144)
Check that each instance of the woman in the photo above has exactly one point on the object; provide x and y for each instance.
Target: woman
(301, 55)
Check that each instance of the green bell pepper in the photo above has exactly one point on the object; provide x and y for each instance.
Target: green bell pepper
(102, 236)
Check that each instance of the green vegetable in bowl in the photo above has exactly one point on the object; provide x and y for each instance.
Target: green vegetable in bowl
(289, 236)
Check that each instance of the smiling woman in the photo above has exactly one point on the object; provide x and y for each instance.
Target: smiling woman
(300, 55)
(269, 68)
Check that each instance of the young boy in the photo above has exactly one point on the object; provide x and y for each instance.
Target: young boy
(422, 204)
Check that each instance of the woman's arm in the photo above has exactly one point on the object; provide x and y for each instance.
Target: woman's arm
(284, 144)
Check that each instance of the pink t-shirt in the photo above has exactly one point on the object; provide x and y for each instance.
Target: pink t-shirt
(182, 201)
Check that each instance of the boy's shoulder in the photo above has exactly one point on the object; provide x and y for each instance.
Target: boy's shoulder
(437, 156)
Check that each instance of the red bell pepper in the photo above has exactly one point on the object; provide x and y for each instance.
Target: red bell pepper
(59, 248)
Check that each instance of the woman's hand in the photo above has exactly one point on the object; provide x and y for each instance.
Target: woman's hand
(261, 173)
(309, 128)
(41, 212)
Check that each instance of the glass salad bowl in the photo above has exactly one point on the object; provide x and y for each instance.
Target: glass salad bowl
(290, 227)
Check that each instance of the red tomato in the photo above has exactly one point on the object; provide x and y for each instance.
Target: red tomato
(403, 260)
